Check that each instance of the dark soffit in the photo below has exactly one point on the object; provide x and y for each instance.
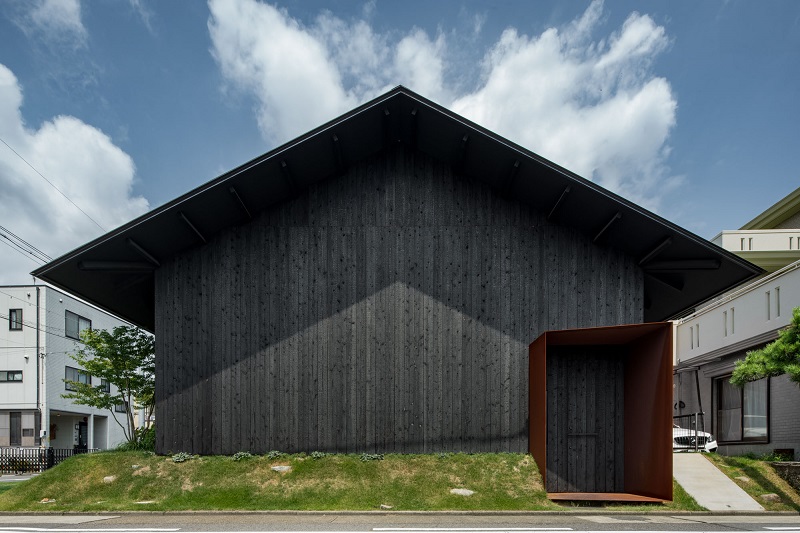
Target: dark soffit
(116, 271)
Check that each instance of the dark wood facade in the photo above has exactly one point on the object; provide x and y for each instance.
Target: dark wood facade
(385, 310)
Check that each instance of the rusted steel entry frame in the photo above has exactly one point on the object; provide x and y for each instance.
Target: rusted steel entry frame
(647, 401)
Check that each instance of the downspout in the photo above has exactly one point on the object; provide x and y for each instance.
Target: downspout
(38, 361)
(699, 399)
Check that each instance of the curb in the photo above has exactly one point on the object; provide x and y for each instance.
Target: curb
(577, 512)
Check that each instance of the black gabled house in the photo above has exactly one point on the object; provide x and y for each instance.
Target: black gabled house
(374, 285)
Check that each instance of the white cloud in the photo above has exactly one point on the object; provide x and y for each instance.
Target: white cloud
(144, 13)
(590, 104)
(419, 62)
(58, 21)
(592, 107)
(261, 49)
(304, 76)
(77, 158)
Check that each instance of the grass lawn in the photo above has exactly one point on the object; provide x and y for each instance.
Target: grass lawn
(761, 479)
(333, 482)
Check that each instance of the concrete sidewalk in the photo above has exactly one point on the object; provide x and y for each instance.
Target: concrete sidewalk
(708, 486)
(15, 477)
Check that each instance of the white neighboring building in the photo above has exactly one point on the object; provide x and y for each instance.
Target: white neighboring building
(40, 331)
(764, 415)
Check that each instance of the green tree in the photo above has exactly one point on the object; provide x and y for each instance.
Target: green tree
(125, 358)
(781, 356)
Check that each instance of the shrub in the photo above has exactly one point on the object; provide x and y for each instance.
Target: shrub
(240, 456)
(145, 441)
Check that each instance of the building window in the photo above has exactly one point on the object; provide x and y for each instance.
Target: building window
(15, 319)
(691, 337)
(74, 324)
(750, 243)
(724, 323)
(742, 411)
(75, 374)
(697, 335)
(769, 305)
(105, 386)
(10, 375)
(121, 407)
(777, 301)
(733, 321)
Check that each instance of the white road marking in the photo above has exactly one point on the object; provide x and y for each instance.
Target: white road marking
(106, 530)
(755, 518)
(52, 519)
(472, 529)
(88, 530)
(790, 528)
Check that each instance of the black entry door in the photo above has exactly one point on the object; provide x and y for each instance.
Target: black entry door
(83, 434)
(585, 442)
(15, 429)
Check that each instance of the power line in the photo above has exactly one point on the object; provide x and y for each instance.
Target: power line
(17, 249)
(14, 350)
(52, 185)
(33, 250)
(33, 326)
(55, 330)
(23, 246)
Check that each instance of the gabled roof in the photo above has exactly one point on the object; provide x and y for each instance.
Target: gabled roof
(782, 210)
(116, 271)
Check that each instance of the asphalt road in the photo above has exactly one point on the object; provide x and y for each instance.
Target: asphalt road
(395, 523)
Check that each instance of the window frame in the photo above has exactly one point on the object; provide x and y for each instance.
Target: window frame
(15, 319)
(4, 376)
(105, 386)
(717, 390)
(121, 408)
(78, 318)
(79, 373)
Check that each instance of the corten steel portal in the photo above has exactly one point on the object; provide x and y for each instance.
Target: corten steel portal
(600, 412)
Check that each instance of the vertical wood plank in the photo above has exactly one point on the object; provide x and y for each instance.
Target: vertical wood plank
(399, 322)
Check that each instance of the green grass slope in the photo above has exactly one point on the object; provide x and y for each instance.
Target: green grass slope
(143, 481)
(757, 477)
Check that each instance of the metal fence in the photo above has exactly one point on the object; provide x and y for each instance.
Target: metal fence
(690, 433)
(28, 460)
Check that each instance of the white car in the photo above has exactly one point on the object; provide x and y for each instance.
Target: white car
(683, 440)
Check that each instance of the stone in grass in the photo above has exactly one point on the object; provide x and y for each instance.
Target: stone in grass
(744, 479)
(109, 479)
(771, 498)
(462, 492)
(47, 500)
(385, 507)
(282, 468)
(144, 502)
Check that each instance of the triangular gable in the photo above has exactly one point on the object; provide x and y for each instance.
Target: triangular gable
(116, 271)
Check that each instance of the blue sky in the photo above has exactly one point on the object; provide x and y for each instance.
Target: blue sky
(689, 108)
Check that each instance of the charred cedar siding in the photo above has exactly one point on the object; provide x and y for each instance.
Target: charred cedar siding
(386, 310)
